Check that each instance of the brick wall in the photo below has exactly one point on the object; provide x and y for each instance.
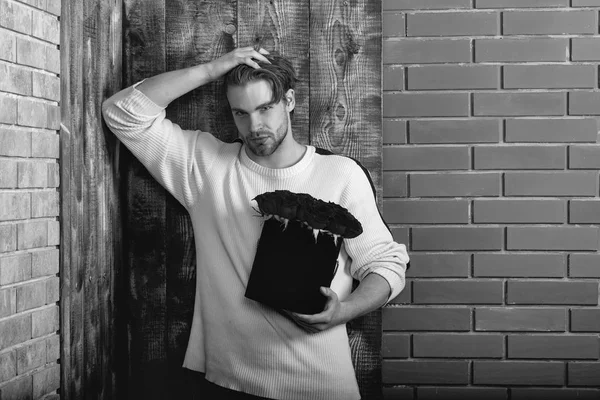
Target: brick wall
(491, 175)
(29, 199)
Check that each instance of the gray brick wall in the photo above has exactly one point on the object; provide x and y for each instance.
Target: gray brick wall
(491, 177)
(29, 198)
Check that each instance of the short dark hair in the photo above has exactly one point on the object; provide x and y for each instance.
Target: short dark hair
(280, 74)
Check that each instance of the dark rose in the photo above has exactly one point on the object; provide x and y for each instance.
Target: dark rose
(337, 224)
(305, 206)
(320, 215)
(269, 204)
(353, 226)
(289, 207)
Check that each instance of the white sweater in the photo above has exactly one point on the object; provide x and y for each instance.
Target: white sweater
(239, 343)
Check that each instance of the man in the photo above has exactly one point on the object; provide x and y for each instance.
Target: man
(243, 348)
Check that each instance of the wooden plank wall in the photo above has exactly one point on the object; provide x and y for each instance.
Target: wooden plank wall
(91, 53)
(336, 49)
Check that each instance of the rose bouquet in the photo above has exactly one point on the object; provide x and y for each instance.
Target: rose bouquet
(298, 249)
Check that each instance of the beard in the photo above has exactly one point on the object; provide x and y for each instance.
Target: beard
(263, 143)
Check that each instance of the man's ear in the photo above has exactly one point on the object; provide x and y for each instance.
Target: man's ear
(290, 100)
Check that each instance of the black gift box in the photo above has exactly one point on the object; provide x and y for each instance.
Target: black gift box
(291, 265)
(298, 249)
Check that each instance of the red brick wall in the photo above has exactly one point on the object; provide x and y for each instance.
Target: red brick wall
(491, 175)
(29, 199)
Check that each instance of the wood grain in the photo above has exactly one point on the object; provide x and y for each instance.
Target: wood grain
(345, 117)
(282, 27)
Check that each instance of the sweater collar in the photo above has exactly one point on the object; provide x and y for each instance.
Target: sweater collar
(277, 172)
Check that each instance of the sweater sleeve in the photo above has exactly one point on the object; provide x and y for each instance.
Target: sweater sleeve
(168, 152)
(374, 250)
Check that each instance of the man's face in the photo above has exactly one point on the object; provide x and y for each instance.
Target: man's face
(262, 124)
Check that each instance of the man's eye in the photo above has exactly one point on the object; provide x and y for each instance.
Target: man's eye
(239, 113)
(266, 108)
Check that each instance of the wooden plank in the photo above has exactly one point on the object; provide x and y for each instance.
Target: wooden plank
(282, 27)
(345, 117)
(145, 216)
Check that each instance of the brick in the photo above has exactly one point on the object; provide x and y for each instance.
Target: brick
(394, 184)
(584, 103)
(31, 53)
(441, 77)
(46, 27)
(549, 22)
(46, 86)
(398, 393)
(8, 109)
(405, 296)
(584, 265)
(585, 3)
(521, 50)
(45, 262)
(32, 113)
(502, 319)
(30, 296)
(519, 104)
(549, 76)
(584, 374)
(551, 130)
(20, 389)
(584, 157)
(454, 131)
(552, 292)
(32, 234)
(53, 233)
(8, 46)
(552, 238)
(455, 184)
(585, 320)
(53, 175)
(52, 290)
(440, 265)
(458, 292)
(8, 302)
(452, 345)
(15, 330)
(53, 348)
(557, 183)
(520, 3)
(45, 144)
(426, 319)
(8, 366)
(31, 356)
(459, 238)
(584, 211)
(32, 174)
(393, 77)
(44, 204)
(14, 205)
(8, 177)
(15, 79)
(519, 265)
(527, 373)
(53, 117)
(453, 24)
(395, 345)
(519, 211)
(15, 143)
(15, 16)
(15, 269)
(53, 7)
(520, 157)
(8, 237)
(425, 372)
(426, 211)
(393, 24)
(462, 393)
(425, 104)
(41, 4)
(400, 235)
(44, 322)
(425, 51)
(585, 49)
(52, 59)
(425, 158)
(394, 131)
(553, 394)
(553, 347)
(425, 4)
(46, 381)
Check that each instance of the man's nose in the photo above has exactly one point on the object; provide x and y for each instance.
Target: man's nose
(255, 123)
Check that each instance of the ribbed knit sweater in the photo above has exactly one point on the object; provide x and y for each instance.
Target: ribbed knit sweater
(239, 343)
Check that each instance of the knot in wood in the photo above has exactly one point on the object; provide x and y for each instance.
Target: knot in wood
(230, 29)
